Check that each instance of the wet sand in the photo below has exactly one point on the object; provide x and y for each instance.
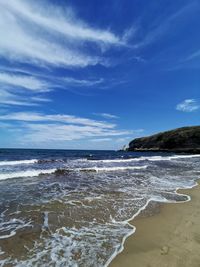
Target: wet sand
(170, 238)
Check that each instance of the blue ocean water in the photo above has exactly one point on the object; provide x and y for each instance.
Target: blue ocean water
(71, 208)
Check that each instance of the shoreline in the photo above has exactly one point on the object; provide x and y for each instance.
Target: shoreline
(138, 247)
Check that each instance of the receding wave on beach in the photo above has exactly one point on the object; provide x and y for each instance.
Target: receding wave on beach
(72, 208)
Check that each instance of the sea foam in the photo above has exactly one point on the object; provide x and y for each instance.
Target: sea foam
(29, 173)
(151, 158)
(18, 162)
(108, 169)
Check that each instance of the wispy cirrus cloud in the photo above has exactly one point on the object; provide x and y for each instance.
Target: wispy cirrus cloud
(61, 118)
(100, 140)
(23, 81)
(33, 48)
(188, 105)
(38, 127)
(22, 90)
(82, 83)
(46, 34)
(7, 98)
(107, 115)
(161, 26)
(16, 86)
(43, 132)
(47, 18)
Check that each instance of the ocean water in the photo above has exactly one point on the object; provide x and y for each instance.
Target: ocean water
(72, 208)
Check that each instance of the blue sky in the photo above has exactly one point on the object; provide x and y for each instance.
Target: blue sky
(96, 74)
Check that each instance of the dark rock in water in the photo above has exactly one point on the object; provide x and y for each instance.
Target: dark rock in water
(62, 171)
(186, 140)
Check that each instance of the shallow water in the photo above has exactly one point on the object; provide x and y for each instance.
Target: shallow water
(71, 208)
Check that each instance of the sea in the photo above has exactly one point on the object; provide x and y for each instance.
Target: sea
(72, 208)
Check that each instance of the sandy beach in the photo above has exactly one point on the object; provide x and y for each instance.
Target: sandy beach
(170, 238)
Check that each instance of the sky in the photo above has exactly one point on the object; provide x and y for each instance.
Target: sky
(96, 74)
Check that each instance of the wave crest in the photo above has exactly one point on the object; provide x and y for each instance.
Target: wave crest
(29, 173)
(151, 158)
(18, 162)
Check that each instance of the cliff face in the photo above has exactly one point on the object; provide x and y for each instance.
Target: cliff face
(186, 139)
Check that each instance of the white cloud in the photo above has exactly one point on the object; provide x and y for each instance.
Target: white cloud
(16, 84)
(22, 81)
(7, 98)
(22, 90)
(81, 83)
(51, 18)
(34, 49)
(39, 99)
(46, 35)
(59, 132)
(99, 140)
(43, 33)
(188, 105)
(123, 139)
(128, 34)
(107, 115)
(61, 118)
(40, 128)
(53, 81)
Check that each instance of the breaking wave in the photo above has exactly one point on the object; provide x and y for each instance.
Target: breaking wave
(151, 158)
(18, 162)
(29, 173)
(108, 169)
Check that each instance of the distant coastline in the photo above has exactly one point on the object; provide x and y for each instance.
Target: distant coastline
(181, 140)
